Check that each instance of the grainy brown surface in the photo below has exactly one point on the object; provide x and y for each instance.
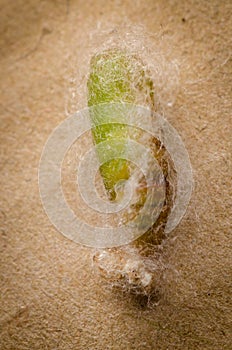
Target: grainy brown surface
(50, 296)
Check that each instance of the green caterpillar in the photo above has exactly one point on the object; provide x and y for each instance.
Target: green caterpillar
(115, 76)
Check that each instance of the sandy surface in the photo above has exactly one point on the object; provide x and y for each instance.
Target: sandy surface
(51, 297)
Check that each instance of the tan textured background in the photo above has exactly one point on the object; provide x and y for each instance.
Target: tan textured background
(51, 297)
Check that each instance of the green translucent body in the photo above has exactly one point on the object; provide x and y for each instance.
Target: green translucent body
(114, 77)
